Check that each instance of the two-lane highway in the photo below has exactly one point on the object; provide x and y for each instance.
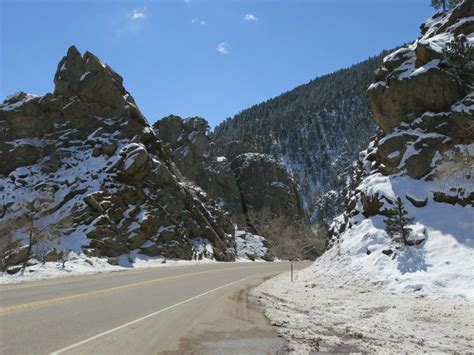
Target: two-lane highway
(202, 308)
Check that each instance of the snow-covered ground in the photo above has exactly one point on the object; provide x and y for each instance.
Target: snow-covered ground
(443, 264)
(357, 298)
(336, 311)
(82, 265)
(249, 248)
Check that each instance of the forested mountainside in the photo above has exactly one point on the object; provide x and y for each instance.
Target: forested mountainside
(315, 130)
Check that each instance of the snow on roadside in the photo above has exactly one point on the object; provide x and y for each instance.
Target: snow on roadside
(371, 294)
(337, 312)
(249, 247)
(83, 265)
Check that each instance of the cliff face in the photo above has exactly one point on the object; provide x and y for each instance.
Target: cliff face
(82, 171)
(424, 155)
(259, 193)
(194, 154)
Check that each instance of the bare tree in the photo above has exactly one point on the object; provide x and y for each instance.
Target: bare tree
(22, 233)
(288, 239)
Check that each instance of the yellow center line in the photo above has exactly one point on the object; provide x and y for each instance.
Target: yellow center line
(104, 291)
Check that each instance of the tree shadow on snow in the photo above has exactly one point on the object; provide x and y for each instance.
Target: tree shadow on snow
(451, 221)
(412, 259)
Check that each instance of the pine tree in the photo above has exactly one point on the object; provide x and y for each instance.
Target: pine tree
(396, 224)
(460, 55)
(445, 4)
(437, 4)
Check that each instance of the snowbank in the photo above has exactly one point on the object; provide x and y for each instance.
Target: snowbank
(337, 313)
(442, 265)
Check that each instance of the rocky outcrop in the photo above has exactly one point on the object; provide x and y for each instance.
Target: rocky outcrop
(256, 189)
(420, 77)
(266, 185)
(85, 164)
(245, 182)
(192, 152)
(94, 82)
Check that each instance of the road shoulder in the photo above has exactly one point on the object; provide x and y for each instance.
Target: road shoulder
(335, 313)
(235, 324)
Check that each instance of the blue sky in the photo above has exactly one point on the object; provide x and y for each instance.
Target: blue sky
(200, 57)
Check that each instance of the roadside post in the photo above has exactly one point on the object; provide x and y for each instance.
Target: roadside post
(292, 271)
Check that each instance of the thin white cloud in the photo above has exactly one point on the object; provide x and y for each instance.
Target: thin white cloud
(223, 48)
(138, 14)
(197, 21)
(188, 2)
(250, 17)
(132, 23)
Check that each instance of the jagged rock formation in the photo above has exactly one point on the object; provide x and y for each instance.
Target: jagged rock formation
(256, 189)
(424, 154)
(81, 169)
(418, 77)
(193, 153)
(315, 130)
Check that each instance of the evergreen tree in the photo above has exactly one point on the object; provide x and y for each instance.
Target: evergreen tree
(460, 55)
(445, 4)
(437, 4)
(396, 224)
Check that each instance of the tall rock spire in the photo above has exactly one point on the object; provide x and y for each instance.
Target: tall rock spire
(93, 81)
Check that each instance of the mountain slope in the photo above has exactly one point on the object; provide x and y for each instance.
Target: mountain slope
(316, 130)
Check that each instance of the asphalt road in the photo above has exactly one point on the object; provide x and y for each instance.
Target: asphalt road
(184, 309)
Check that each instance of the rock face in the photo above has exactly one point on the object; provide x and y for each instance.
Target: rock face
(95, 83)
(424, 103)
(192, 152)
(86, 168)
(254, 188)
(417, 77)
(266, 185)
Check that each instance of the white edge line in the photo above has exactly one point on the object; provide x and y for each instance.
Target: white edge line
(75, 345)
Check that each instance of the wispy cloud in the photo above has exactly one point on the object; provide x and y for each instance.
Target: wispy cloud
(188, 2)
(223, 48)
(197, 21)
(250, 17)
(138, 14)
(132, 23)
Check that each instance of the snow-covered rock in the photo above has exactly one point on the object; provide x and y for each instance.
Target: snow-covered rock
(422, 75)
(83, 171)
(251, 247)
